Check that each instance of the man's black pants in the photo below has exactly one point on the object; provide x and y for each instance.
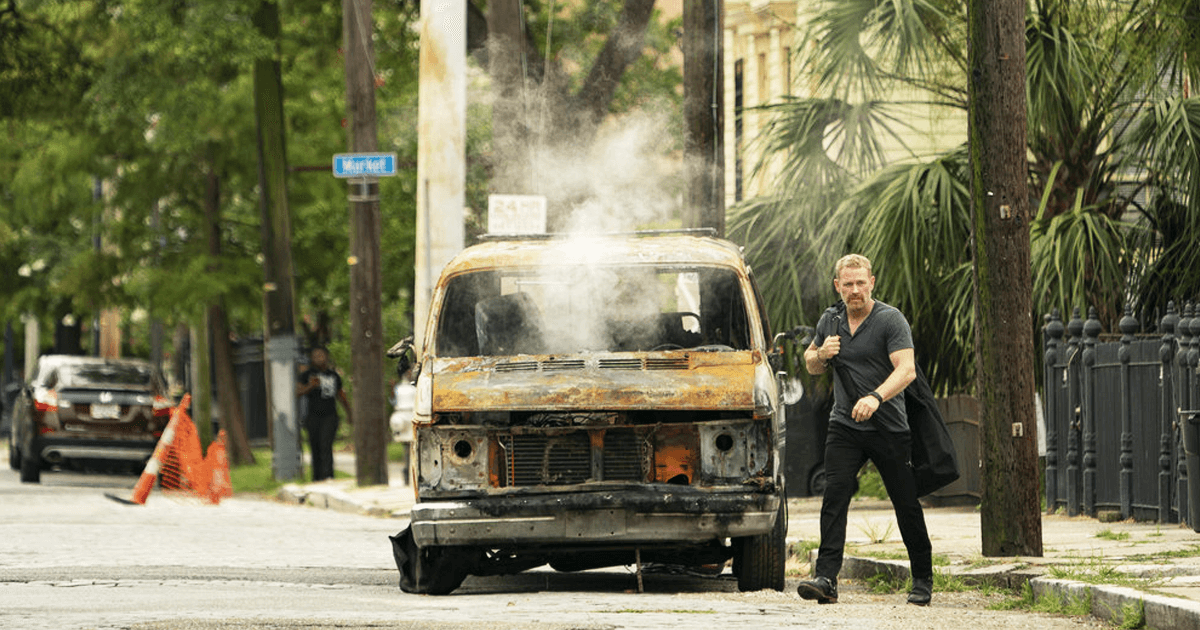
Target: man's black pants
(846, 450)
(321, 432)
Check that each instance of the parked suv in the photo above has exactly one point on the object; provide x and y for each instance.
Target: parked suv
(86, 410)
(595, 401)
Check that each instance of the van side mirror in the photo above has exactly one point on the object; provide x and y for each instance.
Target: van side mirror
(400, 352)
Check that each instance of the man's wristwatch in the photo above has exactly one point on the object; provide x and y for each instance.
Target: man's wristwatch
(876, 395)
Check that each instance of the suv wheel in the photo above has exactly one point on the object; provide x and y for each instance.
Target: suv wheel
(760, 559)
(31, 468)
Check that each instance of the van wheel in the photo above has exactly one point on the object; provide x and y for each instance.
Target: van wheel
(431, 570)
(31, 468)
(759, 560)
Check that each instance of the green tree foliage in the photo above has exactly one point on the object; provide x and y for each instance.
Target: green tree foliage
(1113, 169)
(114, 113)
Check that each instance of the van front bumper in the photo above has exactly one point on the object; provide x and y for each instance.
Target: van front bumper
(637, 516)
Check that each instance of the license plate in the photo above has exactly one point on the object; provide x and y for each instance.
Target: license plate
(106, 411)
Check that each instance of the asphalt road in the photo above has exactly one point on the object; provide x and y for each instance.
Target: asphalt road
(72, 558)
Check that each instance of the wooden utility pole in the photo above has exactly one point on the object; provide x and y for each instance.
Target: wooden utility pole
(703, 84)
(1010, 507)
(371, 433)
(279, 300)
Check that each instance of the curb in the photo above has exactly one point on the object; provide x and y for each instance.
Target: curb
(1109, 603)
(330, 498)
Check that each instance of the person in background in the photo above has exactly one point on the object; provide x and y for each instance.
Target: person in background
(321, 386)
(870, 343)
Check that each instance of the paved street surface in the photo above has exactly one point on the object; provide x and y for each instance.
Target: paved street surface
(71, 558)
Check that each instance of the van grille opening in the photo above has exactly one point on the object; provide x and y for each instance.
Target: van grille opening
(568, 458)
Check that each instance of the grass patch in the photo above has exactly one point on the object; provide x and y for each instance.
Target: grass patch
(1109, 534)
(884, 583)
(256, 478)
(1050, 603)
(1133, 615)
(1191, 551)
(870, 484)
(803, 548)
(875, 532)
(259, 478)
(1093, 571)
(882, 555)
(395, 451)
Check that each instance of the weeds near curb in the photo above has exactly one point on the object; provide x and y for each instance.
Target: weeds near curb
(1133, 615)
(874, 533)
(1109, 534)
(1093, 571)
(1050, 603)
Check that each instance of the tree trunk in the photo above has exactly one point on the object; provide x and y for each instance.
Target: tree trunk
(1010, 500)
(622, 48)
(366, 274)
(233, 420)
(228, 399)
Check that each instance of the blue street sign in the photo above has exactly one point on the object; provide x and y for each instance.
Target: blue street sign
(364, 164)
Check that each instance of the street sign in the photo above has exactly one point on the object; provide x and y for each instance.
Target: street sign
(364, 164)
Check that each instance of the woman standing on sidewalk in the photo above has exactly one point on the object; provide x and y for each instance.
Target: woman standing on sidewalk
(321, 386)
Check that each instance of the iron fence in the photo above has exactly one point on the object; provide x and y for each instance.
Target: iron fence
(1117, 414)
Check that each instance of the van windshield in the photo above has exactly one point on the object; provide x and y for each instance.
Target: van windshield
(573, 309)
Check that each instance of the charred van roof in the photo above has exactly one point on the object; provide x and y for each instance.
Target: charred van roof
(656, 247)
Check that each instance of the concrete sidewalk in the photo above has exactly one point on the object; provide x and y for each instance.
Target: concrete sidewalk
(1118, 565)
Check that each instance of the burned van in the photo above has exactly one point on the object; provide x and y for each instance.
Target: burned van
(586, 402)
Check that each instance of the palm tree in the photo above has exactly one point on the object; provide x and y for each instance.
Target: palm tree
(1114, 164)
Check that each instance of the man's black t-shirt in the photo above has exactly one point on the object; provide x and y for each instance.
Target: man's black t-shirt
(866, 355)
(322, 400)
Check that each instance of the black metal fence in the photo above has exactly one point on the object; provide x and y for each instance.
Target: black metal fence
(1120, 425)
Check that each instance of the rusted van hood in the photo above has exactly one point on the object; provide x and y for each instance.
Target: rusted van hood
(619, 381)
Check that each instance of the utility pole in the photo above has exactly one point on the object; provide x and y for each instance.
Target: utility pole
(1010, 505)
(366, 276)
(441, 149)
(279, 299)
(703, 83)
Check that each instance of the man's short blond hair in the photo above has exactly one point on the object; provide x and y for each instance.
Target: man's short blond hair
(851, 261)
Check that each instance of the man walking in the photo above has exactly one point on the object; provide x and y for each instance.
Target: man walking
(869, 345)
(320, 384)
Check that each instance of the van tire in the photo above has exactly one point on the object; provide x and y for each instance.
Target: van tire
(760, 559)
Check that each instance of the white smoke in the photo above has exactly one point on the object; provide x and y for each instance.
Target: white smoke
(619, 182)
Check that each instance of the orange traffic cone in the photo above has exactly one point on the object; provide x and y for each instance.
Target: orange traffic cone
(220, 486)
(141, 491)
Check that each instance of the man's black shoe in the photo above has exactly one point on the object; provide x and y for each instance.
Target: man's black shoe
(922, 592)
(822, 589)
